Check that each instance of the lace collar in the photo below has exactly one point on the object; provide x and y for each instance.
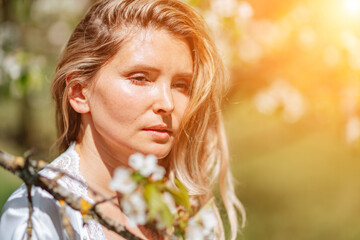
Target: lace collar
(69, 162)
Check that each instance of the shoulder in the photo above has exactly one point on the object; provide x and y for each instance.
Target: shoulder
(46, 217)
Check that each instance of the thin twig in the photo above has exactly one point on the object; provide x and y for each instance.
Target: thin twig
(66, 221)
(29, 222)
(104, 198)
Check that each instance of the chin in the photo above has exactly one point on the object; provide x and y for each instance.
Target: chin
(159, 153)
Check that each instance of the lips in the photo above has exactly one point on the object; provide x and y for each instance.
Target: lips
(159, 128)
(159, 132)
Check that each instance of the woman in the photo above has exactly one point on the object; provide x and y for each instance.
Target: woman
(136, 76)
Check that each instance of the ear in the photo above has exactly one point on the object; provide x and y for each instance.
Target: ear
(78, 99)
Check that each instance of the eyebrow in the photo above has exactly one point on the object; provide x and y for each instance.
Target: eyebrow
(143, 66)
(185, 75)
(154, 69)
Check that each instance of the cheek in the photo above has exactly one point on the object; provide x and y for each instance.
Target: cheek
(181, 102)
(119, 100)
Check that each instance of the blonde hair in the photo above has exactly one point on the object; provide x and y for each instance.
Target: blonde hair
(200, 155)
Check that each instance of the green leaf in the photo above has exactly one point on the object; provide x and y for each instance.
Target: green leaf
(158, 209)
(181, 195)
(137, 177)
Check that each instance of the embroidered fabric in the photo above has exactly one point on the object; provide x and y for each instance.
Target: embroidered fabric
(69, 162)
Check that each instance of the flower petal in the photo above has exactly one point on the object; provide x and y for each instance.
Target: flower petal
(122, 181)
(149, 166)
(158, 173)
(136, 161)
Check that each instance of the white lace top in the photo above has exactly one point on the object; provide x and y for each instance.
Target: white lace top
(46, 219)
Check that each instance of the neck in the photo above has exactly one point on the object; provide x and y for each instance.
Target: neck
(97, 162)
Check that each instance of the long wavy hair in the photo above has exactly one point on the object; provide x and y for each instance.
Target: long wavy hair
(199, 158)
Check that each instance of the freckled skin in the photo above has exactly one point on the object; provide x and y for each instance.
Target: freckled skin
(145, 84)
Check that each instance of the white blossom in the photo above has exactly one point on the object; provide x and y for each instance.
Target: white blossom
(134, 207)
(170, 202)
(194, 232)
(147, 165)
(144, 164)
(208, 220)
(12, 67)
(136, 161)
(202, 225)
(158, 173)
(122, 181)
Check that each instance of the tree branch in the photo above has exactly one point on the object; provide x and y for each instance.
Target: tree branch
(27, 171)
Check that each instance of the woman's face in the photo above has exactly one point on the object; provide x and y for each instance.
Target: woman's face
(138, 99)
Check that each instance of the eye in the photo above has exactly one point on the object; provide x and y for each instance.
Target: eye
(139, 78)
(182, 86)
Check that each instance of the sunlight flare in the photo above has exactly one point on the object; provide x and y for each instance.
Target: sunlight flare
(352, 6)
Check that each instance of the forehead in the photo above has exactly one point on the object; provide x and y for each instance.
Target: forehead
(150, 35)
(156, 47)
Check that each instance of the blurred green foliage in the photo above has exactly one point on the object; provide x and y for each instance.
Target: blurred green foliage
(297, 181)
(292, 112)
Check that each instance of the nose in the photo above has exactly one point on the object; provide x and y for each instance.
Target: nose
(164, 102)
